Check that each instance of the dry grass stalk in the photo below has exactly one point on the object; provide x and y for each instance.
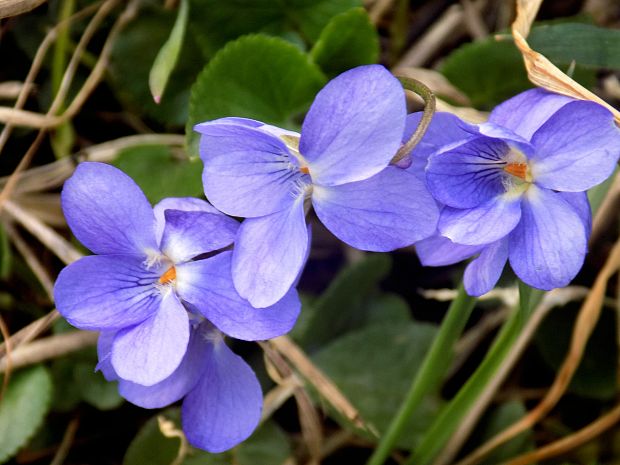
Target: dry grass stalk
(10, 8)
(50, 238)
(12, 89)
(30, 332)
(570, 442)
(53, 174)
(37, 62)
(48, 348)
(279, 370)
(31, 260)
(555, 298)
(606, 215)
(324, 386)
(584, 325)
(540, 70)
(67, 441)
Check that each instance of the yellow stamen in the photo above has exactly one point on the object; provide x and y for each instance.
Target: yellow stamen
(169, 276)
(305, 170)
(517, 169)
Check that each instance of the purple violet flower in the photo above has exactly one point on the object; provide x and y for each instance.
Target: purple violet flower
(339, 165)
(152, 295)
(222, 399)
(514, 188)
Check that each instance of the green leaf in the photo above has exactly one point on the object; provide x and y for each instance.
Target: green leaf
(159, 173)
(258, 77)
(487, 71)
(151, 447)
(169, 54)
(349, 40)
(374, 366)
(496, 421)
(269, 445)
(133, 55)
(585, 44)
(596, 376)
(6, 254)
(451, 415)
(216, 22)
(95, 389)
(23, 408)
(343, 306)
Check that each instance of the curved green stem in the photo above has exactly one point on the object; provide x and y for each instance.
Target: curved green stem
(430, 374)
(427, 95)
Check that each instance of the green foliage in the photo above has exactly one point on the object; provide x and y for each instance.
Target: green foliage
(344, 305)
(596, 376)
(77, 381)
(374, 366)
(216, 22)
(496, 421)
(133, 55)
(268, 445)
(452, 414)
(169, 54)
(23, 408)
(159, 173)
(487, 71)
(349, 40)
(586, 44)
(258, 77)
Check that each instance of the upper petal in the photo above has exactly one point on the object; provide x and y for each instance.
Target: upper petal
(469, 174)
(269, 254)
(189, 234)
(107, 211)
(207, 285)
(577, 148)
(444, 131)
(175, 386)
(104, 353)
(247, 172)
(438, 250)
(528, 111)
(390, 210)
(224, 407)
(580, 203)
(106, 292)
(484, 271)
(484, 224)
(152, 350)
(187, 204)
(548, 246)
(354, 126)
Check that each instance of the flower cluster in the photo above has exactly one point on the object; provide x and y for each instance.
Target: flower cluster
(169, 282)
(513, 189)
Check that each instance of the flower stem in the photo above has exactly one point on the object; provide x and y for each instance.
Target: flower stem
(427, 95)
(434, 366)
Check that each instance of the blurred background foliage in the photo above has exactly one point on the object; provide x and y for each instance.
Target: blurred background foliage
(367, 321)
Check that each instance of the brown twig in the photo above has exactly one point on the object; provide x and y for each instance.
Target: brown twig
(50, 238)
(37, 62)
(30, 332)
(67, 441)
(48, 348)
(597, 427)
(311, 430)
(17, 7)
(555, 298)
(6, 334)
(607, 213)
(325, 387)
(31, 260)
(584, 325)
